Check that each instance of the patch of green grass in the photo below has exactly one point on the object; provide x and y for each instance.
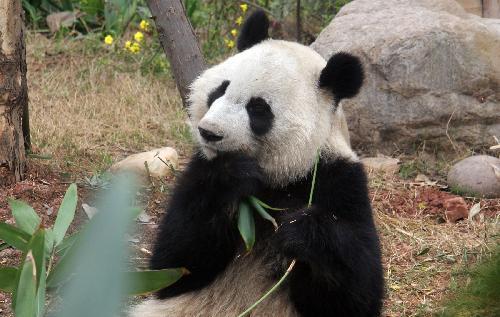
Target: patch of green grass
(481, 297)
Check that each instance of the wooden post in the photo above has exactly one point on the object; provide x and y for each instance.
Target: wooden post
(178, 41)
(13, 92)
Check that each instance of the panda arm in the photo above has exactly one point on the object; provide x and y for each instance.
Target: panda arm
(334, 241)
(198, 231)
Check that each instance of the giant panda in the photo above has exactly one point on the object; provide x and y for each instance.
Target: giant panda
(261, 118)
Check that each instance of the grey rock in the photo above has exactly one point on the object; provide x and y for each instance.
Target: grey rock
(427, 63)
(383, 164)
(478, 175)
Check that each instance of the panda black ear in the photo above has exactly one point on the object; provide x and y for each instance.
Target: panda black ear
(254, 30)
(342, 75)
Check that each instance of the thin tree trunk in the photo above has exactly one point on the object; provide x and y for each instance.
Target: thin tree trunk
(178, 41)
(13, 92)
(298, 21)
(491, 9)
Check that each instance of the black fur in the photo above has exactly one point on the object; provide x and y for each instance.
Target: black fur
(261, 116)
(197, 232)
(338, 271)
(254, 30)
(343, 76)
(217, 92)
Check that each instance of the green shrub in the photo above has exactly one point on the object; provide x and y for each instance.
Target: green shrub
(89, 265)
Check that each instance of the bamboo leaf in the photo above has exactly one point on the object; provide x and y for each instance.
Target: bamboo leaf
(66, 243)
(14, 236)
(246, 225)
(26, 218)
(262, 212)
(26, 289)
(143, 282)
(40, 296)
(49, 242)
(8, 277)
(37, 249)
(66, 214)
(263, 204)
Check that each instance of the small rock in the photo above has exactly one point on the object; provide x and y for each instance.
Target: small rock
(455, 209)
(160, 163)
(381, 164)
(144, 218)
(476, 175)
(89, 210)
(63, 18)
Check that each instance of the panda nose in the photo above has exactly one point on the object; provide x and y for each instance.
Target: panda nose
(209, 135)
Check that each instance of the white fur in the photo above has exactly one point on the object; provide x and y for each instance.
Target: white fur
(286, 75)
(242, 284)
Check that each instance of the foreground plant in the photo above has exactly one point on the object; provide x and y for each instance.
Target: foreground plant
(84, 263)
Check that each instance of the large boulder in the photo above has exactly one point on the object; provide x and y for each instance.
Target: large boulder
(432, 73)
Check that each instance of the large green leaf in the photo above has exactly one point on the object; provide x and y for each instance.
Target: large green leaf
(246, 225)
(143, 282)
(99, 262)
(14, 236)
(26, 218)
(8, 277)
(25, 305)
(66, 214)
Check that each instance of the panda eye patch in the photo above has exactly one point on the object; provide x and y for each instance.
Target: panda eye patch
(260, 114)
(217, 92)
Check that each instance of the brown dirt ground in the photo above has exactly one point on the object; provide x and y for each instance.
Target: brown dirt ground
(423, 255)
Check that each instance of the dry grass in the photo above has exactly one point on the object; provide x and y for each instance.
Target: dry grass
(424, 257)
(86, 110)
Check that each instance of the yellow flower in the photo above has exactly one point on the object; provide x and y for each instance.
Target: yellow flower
(128, 44)
(108, 40)
(244, 7)
(230, 43)
(144, 25)
(234, 32)
(139, 36)
(135, 48)
(239, 20)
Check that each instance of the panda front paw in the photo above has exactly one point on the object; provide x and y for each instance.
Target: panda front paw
(296, 233)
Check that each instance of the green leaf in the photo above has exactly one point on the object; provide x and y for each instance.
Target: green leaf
(63, 269)
(37, 249)
(40, 296)
(8, 277)
(26, 289)
(246, 225)
(49, 242)
(14, 236)
(66, 214)
(67, 243)
(254, 199)
(26, 218)
(143, 282)
(262, 212)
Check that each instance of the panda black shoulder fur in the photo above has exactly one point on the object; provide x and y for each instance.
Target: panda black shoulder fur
(260, 118)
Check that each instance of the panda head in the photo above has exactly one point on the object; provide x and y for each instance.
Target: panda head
(275, 101)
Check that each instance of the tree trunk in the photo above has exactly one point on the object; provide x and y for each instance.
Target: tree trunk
(13, 92)
(178, 41)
